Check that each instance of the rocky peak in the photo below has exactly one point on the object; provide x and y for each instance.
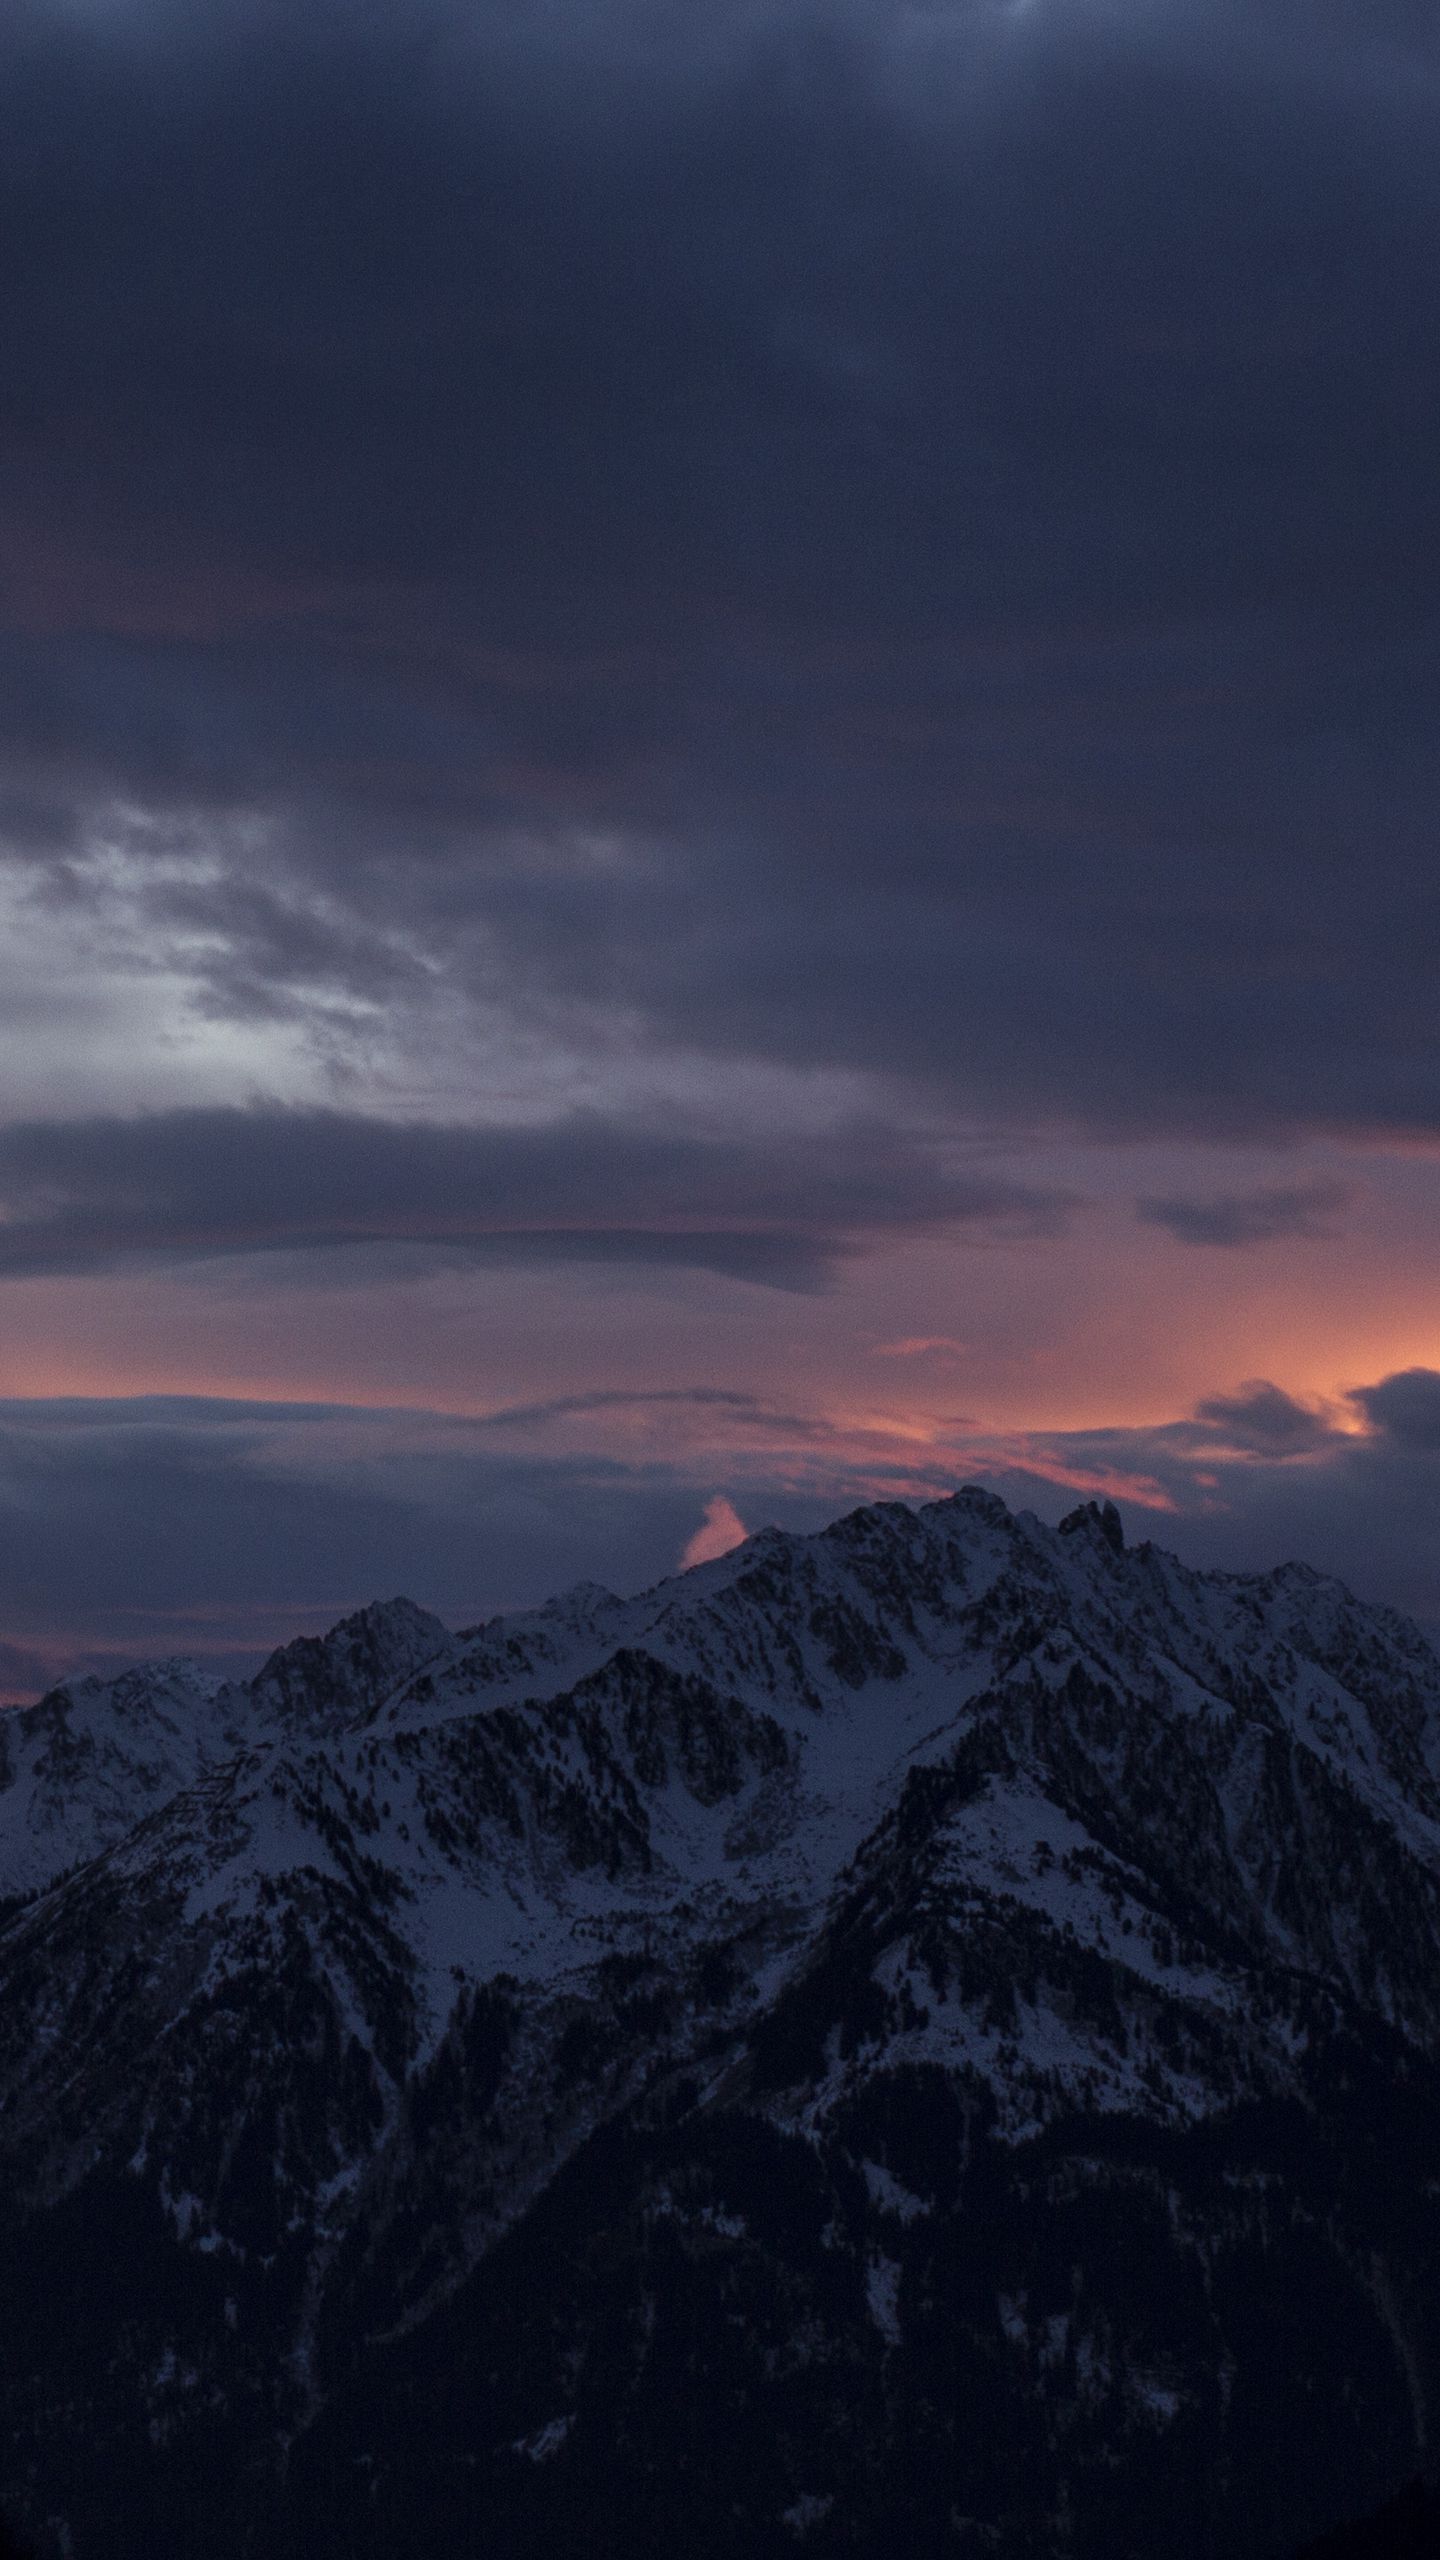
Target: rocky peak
(330, 1681)
(1095, 1520)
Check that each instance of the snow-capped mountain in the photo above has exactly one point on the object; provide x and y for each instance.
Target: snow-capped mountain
(927, 2031)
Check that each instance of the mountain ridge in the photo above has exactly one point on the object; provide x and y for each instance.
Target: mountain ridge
(895, 1868)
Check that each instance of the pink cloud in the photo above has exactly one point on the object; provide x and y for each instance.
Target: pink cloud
(721, 1529)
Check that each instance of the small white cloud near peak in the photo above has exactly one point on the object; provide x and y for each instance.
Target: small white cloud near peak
(721, 1529)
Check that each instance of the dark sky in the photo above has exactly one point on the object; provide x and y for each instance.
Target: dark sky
(718, 774)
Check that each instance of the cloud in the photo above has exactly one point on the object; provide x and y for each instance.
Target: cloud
(1266, 1422)
(1254, 1217)
(1255, 1480)
(1405, 1408)
(948, 495)
(182, 1186)
(670, 1407)
(721, 1530)
(850, 584)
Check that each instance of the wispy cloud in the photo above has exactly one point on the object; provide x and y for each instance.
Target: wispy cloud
(1253, 1217)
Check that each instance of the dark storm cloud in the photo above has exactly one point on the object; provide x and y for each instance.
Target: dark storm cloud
(186, 1185)
(955, 490)
(1252, 1217)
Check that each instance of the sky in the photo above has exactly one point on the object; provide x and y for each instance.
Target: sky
(718, 781)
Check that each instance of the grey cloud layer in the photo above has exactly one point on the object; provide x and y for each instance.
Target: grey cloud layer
(966, 517)
(190, 1185)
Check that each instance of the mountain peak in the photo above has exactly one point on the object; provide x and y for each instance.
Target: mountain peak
(331, 1680)
(1095, 1520)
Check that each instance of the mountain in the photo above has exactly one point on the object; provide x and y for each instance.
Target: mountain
(922, 2036)
(1406, 2528)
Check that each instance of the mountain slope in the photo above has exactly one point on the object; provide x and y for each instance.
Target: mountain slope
(933, 2027)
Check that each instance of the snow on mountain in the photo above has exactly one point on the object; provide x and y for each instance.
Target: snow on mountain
(328, 1987)
(81, 1768)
